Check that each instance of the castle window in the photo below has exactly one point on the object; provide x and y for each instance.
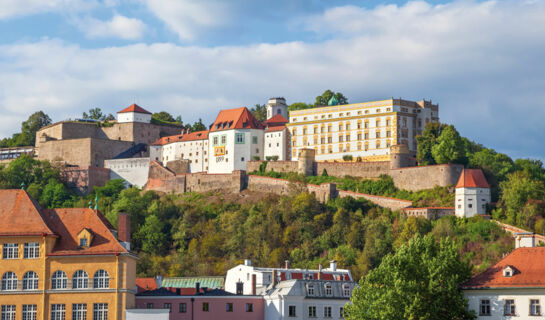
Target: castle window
(239, 138)
(315, 129)
(223, 139)
(327, 312)
(340, 138)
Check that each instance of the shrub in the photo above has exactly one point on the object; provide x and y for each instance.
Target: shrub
(347, 157)
(324, 173)
(274, 158)
(263, 166)
(256, 158)
(268, 158)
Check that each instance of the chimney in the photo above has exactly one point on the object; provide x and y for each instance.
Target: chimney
(248, 262)
(197, 288)
(274, 278)
(333, 265)
(253, 284)
(287, 264)
(124, 230)
(319, 272)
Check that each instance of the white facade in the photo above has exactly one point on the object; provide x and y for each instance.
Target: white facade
(307, 299)
(147, 314)
(497, 298)
(156, 153)
(231, 149)
(471, 201)
(365, 130)
(277, 106)
(196, 151)
(133, 170)
(276, 144)
(133, 117)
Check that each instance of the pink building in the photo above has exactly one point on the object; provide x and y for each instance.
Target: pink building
(207, 305)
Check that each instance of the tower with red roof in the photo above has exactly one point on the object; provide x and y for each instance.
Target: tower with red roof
(134, 113)
(472, 193)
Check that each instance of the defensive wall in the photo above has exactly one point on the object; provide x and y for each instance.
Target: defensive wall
(83, 179)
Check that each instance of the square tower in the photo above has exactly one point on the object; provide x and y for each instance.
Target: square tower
(472, 193)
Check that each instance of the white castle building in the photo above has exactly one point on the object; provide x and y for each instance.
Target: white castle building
(472, 194)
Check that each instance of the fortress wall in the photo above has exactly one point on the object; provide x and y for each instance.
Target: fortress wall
(83, 179)
(426, 177)
(277, 166)
(366, 170)
(203, 182)
(384, 202)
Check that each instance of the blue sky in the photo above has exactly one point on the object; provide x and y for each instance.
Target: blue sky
(482, 61)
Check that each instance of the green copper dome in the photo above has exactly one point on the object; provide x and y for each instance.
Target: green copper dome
(333, 101)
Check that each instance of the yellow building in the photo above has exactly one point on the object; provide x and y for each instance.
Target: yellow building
(363, 130)
(62, 263)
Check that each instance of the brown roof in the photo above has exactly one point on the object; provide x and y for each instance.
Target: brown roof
(20, 215)
(193, 136)
(239, 118)
(134, 108)
(275, 128)
(145, 284)
(277, 120)
(472, 178)
(529, 271)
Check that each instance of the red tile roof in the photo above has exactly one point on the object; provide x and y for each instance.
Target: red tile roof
(145, 284)
(529, 266)
(276, 128)
(239, 118)
(276, 120)
(20, 215)
(134, 108)
(472, 178)
(193, 136)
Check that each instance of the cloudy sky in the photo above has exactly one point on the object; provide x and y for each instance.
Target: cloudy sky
(482, 61)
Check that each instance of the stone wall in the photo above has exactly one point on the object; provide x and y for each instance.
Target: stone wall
(366, 170)
(203, 182)
(426, 177)
(385, 202)
(134, 171)
(83, 179)
(277, 166)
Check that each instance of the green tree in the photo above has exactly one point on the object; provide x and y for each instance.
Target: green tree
(449, 147)
(151, 235)
(412, 227)
(163, 116)
(27, 137)
(324, 98)
(94, 114)
(420, 281)
(259, 112)
(426, 141)
(55, 195)
(198, 126)
(299, 106)
(517, 190)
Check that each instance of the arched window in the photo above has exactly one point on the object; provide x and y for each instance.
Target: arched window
(59, 280)
(101, 279)
(328, 289)
(30, 281)
(80, 280)
(9, 281)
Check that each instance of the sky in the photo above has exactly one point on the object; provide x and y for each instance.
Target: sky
(482, 61)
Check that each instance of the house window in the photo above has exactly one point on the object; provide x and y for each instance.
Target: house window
(223, 139)
(347, 126)
(366, 136)
(329, 139)
(340, 138)
(312, 311)
(10, 251)
(79, 311)
(340, 127)
(59, 280)
(249, 307)
(229, 307)
(239, 138)
(205, 307)
(310, 289)
(215, 141)
(30, 311)
(183, 308)
(470, 205)
(484, 309)
(149, 305)
(535, 307)
(8, 312)
(58, 311)
(83, 242)
(377, 134)
(80, 280)
(509, 307)
(359, 136)
(328, 290)
(346, 290)
(291, 311)
(30, 281)
(32, 250)
(101, 279)
(327, 312)
(9, 281)
(388, 122)
(100, 311)
(254, 140)
(168, 306)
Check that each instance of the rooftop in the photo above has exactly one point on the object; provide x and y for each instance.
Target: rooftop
(239, 118)
(472, 178)
(192, 136)
(189, 282)
(134, 108)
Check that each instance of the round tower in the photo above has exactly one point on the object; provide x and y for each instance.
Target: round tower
(305, 163)
(277, 106)
(399, 156)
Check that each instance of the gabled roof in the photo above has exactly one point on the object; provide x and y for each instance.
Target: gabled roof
(145, 284)
(193, 136)
(472, 178)
(275, 128)
(239, 118)
(21, 215)
(134, 108)
(276, 120)
(529, 264)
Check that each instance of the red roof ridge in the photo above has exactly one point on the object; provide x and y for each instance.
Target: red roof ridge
(472, 178)
(134, 108)
(238, 118)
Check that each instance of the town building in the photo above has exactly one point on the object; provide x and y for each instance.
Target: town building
(235, 137)
(430, 213)
(364, 130)
(9, 154)
(190, 146)
(277, 139)
(513, 288)
(63, 263)
(201, 304)
(472, 194)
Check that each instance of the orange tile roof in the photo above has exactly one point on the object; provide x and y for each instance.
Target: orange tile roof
(239, 118)
(67, 223)
(192, 136)
(472, 178)
(145, 284)
(277, 120)
(529, 266)
(20, 215)
(134, 108)
(276, 128)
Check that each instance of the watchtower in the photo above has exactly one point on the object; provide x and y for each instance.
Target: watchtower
(277, 106)
(399, 156)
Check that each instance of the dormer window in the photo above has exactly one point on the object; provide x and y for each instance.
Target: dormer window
(508, 271)
(310, 289)
(83, 242)
(85, 237)
(328, 289)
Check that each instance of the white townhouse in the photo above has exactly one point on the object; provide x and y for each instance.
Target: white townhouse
(190, 146)
(277, 139)
(514, 288)
(235, 137)
(472, 193)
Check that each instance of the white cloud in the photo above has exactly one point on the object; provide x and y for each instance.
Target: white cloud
(481, 64)
(18, 8)
(187, 17)
(118, 27)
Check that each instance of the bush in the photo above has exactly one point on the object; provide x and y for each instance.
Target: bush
(263, 166)
(256, 158)
(324, 173)
(348, 157)
(274, 158)
(268, 158)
